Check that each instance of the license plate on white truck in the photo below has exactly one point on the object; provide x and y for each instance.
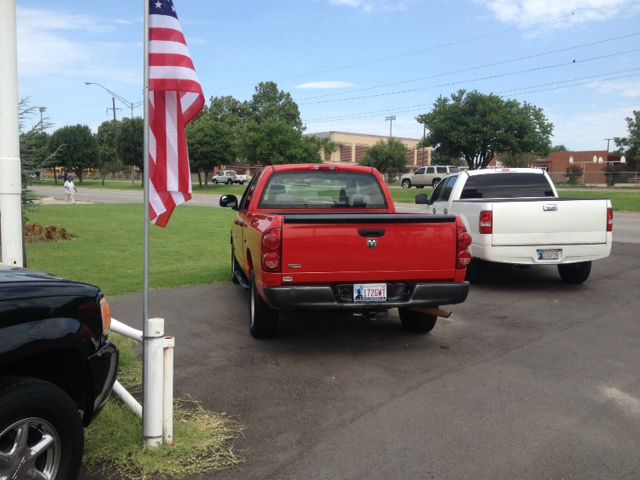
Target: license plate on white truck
(549, 254)
(370, 292)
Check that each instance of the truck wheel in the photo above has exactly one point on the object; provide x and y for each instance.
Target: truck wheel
(41, 432)
(264, 319)
(435, 182)
(406, 183)
(574, 272)
(215, 181)
(417, 322)
(229, 182)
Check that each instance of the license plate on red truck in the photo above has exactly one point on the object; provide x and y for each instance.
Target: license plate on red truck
(370, 292)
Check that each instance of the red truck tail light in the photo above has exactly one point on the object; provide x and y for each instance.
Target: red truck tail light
(486, 221)
(609, 219)
(272, 250)
(463, 255)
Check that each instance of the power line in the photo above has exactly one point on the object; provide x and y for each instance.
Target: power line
(441, 46)
(477, 67)
(488, 77)
(542, 87)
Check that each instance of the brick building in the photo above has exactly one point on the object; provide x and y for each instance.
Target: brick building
(592, 162)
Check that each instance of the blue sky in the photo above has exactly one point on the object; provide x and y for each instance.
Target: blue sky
(350, 63)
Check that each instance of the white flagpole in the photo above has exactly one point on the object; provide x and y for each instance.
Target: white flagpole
(10, 177)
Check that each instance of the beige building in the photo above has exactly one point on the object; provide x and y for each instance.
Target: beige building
(352, 147)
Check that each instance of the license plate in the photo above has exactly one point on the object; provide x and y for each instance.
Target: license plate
(550, 254)
(370, 292)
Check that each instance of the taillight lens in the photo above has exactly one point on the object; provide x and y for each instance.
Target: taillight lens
(271, 250)
(609, 219)
(486, 221)
(463, 255)
(105, 311)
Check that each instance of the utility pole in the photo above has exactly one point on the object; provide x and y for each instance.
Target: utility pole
(608, 140)
(113, 108)
(390, 119)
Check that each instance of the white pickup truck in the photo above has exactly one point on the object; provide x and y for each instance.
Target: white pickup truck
(229, 177)
(515, 216)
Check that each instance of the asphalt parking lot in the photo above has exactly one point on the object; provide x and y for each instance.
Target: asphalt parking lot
(529, 378)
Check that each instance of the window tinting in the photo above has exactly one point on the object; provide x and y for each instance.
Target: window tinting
(507, 185)
(419, 171)
(321, 189)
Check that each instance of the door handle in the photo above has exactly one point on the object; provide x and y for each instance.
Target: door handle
(371, 232)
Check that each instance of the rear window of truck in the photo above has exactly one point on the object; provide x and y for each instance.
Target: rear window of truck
(321, 189)
(507, 185)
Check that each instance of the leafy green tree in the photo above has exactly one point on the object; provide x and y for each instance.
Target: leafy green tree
(478, 126)
(79, 148)
(107, 152)
(388, 157)
(210, 144)
(558, 148)
(630, 145)
(228, 110)
(269, 104)
(130, 142)
(276, 142)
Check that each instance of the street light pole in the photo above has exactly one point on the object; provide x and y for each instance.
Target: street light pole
(114, 95)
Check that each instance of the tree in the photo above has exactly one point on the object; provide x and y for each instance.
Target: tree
(79, 148)
(630, 145)
(558, 148)
(130, 142)
(228, 110)
(276, 142)
(388, 157)
(210, 144)
(107, 154)
(269, 104)
(478, 126)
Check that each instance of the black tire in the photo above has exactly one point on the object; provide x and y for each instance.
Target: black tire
(474, 271)
(234, 267)
(41, 409)
(215, 181)
(229, 182)
(263, 320)
(435, 182)
(417, 322)
(575, 273)
(406, 183)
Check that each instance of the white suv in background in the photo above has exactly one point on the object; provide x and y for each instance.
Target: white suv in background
(427, 176)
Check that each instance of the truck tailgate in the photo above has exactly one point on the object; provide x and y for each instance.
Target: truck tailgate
(550, 222)
(368, 247)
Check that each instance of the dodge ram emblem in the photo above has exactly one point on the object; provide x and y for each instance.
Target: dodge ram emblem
(372, 243)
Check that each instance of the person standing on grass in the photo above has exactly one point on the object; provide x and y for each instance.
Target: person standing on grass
(70, 190)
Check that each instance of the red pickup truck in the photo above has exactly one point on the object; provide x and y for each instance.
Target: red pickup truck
(328, 237)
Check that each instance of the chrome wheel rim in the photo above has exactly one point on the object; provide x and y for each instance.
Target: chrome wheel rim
(253, 306)
(30, 449)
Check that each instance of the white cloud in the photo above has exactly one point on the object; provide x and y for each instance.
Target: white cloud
(53, 44)
(324, 85)
(554, 13)
(374, 5)
(628, 88)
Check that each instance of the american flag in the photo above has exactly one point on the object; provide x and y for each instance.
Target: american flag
(175, 98)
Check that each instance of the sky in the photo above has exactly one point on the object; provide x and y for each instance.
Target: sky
(349, 64)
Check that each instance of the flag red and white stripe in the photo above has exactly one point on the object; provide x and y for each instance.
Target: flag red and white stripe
(175, 98)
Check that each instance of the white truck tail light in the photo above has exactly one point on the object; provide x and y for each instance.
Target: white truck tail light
(609, 219)
(272, 250)
(486, 221)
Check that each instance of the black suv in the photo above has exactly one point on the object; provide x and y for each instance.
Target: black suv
(55, 359)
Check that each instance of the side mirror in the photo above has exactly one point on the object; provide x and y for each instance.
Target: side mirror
(230, 201)
(422, 199)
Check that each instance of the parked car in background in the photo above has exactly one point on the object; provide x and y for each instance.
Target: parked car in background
(328, 237)
(427, 176)
(228, 177)
(515, 216)
(55, 359)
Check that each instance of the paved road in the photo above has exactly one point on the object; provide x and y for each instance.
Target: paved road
(627, 225)
(530, 378)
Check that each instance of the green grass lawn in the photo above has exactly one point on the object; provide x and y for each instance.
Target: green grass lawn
(108, 246)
